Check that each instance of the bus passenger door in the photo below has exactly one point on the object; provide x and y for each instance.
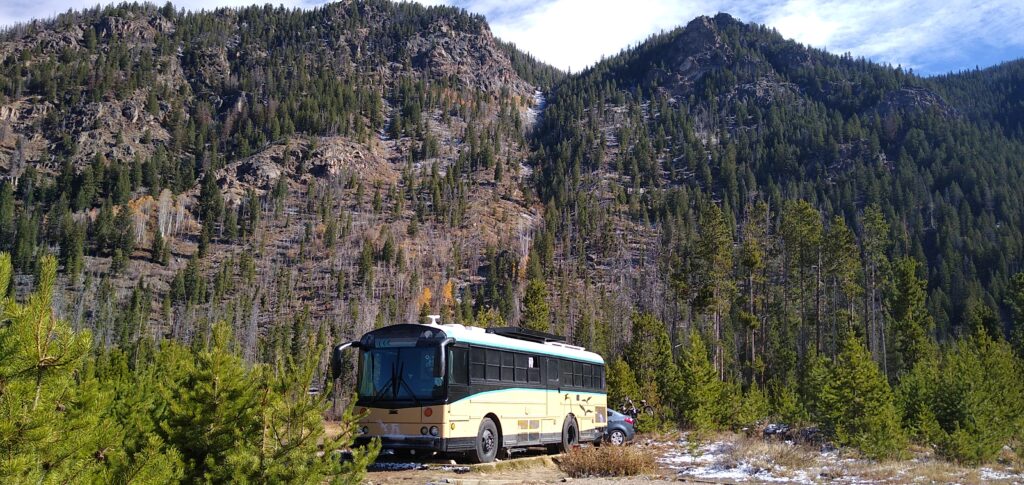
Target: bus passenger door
(554, 414)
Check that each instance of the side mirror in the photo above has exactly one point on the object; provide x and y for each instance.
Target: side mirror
(338, 358)
(440, 364)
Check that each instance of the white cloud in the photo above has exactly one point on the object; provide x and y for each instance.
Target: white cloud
(576, 33)
(928, 35)
(933, 35)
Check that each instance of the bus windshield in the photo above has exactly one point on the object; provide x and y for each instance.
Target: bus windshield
(399, 374)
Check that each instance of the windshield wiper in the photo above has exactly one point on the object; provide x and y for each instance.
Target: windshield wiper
(401, 380)
(389, 385)
(395, 382)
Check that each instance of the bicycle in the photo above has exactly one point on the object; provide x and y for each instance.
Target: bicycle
(630, 409)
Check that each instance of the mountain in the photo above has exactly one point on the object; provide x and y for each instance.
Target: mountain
(732, 114)
(328, 164)
(303, 173)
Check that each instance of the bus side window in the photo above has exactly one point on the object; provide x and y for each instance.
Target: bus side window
(567, 373)
(551, 372)
(522, 364)
(476, 366)
(599, 378)
(508, 367)
(587, 377)
(577, 374)
(533, 369)
(493, 365)
(459, 366)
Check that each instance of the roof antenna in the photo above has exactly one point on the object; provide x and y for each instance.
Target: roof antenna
(434, 319)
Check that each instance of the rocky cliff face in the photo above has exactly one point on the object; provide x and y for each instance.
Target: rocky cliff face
(360, 125)
(197, 73)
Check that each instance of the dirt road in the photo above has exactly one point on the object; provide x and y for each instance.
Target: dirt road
(528, 468)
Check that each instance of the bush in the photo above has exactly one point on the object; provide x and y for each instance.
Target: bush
(753, 407)
(607, 461)
(968, 403)
(857, 406)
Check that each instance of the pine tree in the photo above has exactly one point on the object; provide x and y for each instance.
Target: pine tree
(72, 247)
(916, 397)
(232, 423)
(814, 376)
(979, 317)
(802, 237)
(211, 202)
(621, 383)
(714, 250)
(842, 272)
(753, 260)
(700, 403)
(103, 229)
(365, 274)
(858, 407)
(875, 244)
(753, 407)
(25, 242)
(6, 216)
(649, 354)
(51, 430)
(1015, 301)
(910, 323)
(536, 315)
(158, 251)
(123, 239)
(977, 401)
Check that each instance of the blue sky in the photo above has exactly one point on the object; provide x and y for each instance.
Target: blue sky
(929, 36)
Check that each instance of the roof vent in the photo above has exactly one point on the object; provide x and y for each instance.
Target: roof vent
(434, 319)
(526, 334)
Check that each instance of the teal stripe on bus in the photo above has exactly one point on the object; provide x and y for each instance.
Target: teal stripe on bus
(511, 389)
(546, 352)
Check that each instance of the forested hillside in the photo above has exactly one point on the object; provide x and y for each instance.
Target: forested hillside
(292, 172)
(760, 228)
(810, 226)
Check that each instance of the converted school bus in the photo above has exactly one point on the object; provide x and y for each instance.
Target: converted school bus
(471, 392)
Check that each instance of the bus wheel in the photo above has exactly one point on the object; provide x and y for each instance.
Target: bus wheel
(487, 443)
(570, 435)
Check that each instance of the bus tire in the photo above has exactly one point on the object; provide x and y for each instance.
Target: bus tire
(487, 443)
(570, 434)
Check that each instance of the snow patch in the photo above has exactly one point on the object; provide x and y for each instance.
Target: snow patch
(719, 461)
(712, 462)
(990, 474)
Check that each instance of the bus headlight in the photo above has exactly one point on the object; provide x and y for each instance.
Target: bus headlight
(434, 431)
(423, 430)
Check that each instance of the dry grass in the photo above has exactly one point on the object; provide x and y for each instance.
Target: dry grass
(608, 461)
(660, 436)
(517, 464)
(771, 454)
(927, 471)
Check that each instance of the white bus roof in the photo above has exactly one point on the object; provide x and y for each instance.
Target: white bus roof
(478, 335)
